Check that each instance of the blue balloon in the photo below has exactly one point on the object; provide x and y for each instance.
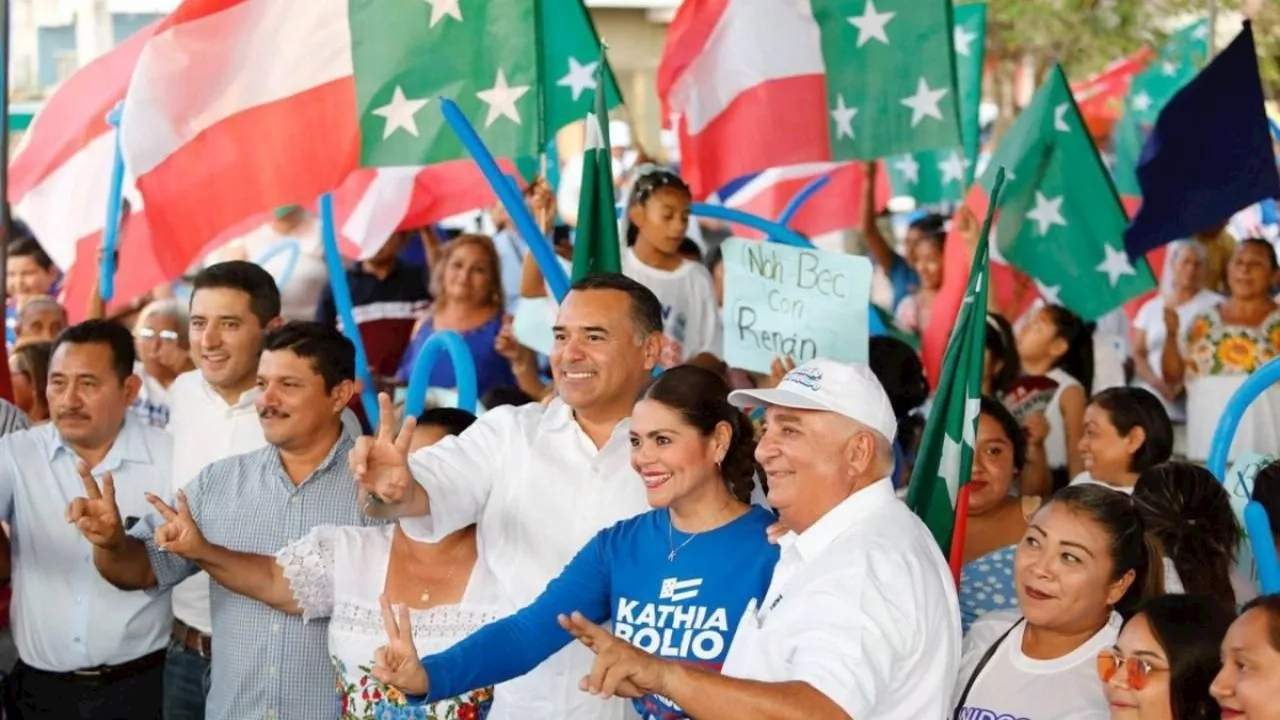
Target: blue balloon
(512, 200)
(776, 232)
(464, 371)
(806, 192)
(111, 229)
(342, 301)
(294, 250)
(1262, 543)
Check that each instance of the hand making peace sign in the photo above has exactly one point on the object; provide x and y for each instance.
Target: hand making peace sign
(621, 669)
(396, 663)
(96, 514)
(180, 534)
(381, 463)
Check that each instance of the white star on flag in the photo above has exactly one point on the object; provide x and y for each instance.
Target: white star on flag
(1142, 101)
(399, 114)
(909, 168)
(580, 78)
(924, 103)
(501, 99)
(1049, 292)
(871, 24)
(1168, 68)
(949, 466)
(1047, 213)
(953, 168)
(842, 116)
(1115, 265)
(441, 8)
(1060, 118)
(963, 39)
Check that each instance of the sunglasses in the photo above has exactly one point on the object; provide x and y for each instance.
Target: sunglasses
(1138, 671)
(164, 335)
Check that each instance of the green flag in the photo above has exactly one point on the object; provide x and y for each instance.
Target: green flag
(890, 76)
(936, 177)
(945, 458)
(1181, 58)
(506, 63)
(596, 246)
(1060, 220)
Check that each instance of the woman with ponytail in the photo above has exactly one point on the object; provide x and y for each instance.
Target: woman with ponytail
(694, 451)
(1084, 564)
(1189, 513)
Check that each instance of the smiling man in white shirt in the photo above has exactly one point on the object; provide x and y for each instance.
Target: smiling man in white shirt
(860, 620)
(539, 481)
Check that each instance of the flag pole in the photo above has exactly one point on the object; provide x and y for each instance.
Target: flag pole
(6, 222)
(1213, 28)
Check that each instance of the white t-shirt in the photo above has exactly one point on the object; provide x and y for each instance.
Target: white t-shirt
(690, 315)
(1150, 321)
(1055, 443)
(862, 608)
(1013, 685)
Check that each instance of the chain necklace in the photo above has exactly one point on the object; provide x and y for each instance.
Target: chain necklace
(671, 543)
(425, 596)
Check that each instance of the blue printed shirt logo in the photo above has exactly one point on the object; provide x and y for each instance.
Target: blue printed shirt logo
(807, 377)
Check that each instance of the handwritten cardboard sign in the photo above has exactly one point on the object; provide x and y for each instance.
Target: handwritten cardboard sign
(781, 300)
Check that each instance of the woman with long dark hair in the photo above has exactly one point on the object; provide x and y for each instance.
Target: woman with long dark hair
(673, 581)
(1165, 658)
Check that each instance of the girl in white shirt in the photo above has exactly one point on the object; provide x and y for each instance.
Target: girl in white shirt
(1126, 431)
(656, 224)
(1057, 344)
(1166, 656)
(1084, 557)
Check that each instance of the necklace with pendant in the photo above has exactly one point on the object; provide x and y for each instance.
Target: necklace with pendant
(425, 596)
(671, 543)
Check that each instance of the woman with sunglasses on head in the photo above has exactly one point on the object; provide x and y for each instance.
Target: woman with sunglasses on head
(1248, 685)
(1084, 562)
(655, 225)
(1164, 659)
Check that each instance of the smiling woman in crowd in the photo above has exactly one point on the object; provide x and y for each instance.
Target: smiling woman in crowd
(1084, 561)
(1248, 686)
(1126, 432)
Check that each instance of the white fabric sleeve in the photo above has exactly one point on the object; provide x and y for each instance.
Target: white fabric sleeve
(460, 472)
(308, 565)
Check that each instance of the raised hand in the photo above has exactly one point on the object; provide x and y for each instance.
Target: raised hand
(96, 514)
(381, 463)
(396, 663)
(621, 669)
(179, 535)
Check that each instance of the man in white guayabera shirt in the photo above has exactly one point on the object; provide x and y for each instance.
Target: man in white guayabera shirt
(860, 620)
(540, 481)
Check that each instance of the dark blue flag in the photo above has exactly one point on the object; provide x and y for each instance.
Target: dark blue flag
(1209, 154)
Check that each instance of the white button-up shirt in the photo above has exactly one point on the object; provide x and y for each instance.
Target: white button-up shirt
(65, 616)
(539, 490)
(207, 429)
(863, 608)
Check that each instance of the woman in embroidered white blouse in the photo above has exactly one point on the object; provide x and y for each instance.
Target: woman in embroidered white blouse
(341, 573)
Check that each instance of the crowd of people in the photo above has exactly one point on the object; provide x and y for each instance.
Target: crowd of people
(203, 523)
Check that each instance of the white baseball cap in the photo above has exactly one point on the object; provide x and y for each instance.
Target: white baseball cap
(851, 390)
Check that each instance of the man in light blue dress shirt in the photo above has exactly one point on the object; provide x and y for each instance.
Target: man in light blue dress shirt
(86, 649)
(267, 665)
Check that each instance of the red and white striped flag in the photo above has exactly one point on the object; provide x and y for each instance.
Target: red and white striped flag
(745, 85)
(836, 206)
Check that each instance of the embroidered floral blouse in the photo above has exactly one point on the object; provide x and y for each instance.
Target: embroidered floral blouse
(339, 573)
(1216, 348)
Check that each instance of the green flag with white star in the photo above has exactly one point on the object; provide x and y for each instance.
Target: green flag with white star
(506, 63)
(1180, 60)
(945, 457)
(890, 76)
(1060, 220)
(936, 177)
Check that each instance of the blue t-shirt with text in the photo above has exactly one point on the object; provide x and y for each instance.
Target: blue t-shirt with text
(685, 609)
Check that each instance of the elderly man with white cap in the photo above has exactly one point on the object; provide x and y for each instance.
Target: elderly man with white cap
(860, 620)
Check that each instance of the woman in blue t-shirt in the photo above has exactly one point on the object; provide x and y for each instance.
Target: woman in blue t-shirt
(674, 581)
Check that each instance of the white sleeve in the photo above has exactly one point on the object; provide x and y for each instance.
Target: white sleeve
(308, 566)
(460, 472)
(710, 337)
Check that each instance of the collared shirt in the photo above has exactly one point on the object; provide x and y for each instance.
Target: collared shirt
(12, 419)
(65, 616)
(539, 490)
(266, 664)
(863, 608)
(206, 429)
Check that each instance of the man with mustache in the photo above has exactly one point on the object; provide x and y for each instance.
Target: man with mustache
(539, 480)
(276, 666)
(212, 417)
(85, 648)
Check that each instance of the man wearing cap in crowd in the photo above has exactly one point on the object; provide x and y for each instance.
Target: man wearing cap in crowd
(860, 620)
